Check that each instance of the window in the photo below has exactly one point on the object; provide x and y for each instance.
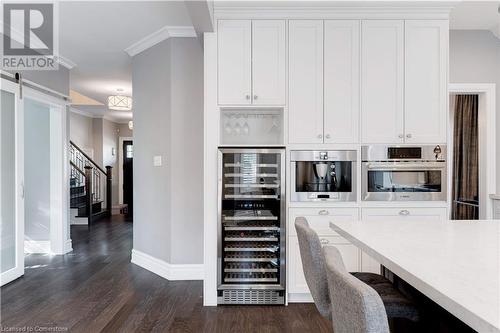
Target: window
(130, 151)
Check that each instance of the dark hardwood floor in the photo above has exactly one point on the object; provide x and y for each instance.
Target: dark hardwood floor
(96, 289)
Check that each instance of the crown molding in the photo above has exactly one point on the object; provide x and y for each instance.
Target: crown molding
(335, 10)
(65, 62)
(91, 115)
(159, 36)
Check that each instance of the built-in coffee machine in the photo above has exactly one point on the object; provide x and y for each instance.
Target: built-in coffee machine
(323, 175)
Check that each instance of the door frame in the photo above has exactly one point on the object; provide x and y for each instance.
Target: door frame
(60, 240)
(120, 166)
(18, 270)
(487, 143)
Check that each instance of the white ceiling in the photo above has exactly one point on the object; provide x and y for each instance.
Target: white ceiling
(94, 36)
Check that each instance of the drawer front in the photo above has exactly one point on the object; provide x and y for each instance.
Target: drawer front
(401, 213)
(319, 218)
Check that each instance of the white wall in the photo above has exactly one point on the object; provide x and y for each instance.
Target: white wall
(475, 58)
(110, 133)
(168, 121)
(81, 131)
(37, 171)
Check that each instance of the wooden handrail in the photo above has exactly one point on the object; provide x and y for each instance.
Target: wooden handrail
(77, 168)
(87, 156)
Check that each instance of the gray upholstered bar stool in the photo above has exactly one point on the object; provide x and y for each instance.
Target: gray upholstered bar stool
(356, 307)
(313, 264)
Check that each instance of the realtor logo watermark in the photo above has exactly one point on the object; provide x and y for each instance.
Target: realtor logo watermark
(30, 38)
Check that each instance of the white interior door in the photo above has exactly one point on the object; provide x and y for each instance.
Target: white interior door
(11, 183)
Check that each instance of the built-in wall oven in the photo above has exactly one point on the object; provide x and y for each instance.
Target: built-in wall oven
(323, 175)
(251, 235)
(402, 173)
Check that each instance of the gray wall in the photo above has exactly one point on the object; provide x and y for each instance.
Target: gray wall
(152, 206)
(168, 121)
(475, 58)
(81, 131)
(187, 151)
(110, 132)
(37, 171)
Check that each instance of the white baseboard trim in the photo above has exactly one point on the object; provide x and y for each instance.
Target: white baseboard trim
(34, 246)
(300, 298)
(166, 270)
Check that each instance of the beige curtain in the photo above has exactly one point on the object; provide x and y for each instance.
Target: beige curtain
(465, 157)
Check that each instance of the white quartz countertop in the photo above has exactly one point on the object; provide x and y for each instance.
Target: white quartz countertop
(454, 263)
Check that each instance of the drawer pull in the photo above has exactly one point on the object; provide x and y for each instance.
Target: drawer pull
(404, 212)
(324, 241)
(323, 212)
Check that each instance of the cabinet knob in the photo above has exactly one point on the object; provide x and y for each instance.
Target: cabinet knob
(320, 136)
(323, 212)
(327, 136)
(400, 136)
(408, 135)
(247, 96)
(404, 212)
(324, 241)
(255, 96)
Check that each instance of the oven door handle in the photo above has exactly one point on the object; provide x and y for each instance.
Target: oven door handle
(423, 166)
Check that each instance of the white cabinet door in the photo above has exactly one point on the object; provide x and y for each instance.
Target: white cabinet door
(426, 83)
(234, 40)
(268, 62)
(368, 264)
(382, 73)
(341, 91)
(305, 91)
(296, 280)
(404, 214)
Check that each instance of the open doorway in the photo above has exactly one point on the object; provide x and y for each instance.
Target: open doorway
(473, 154)
(126, 184)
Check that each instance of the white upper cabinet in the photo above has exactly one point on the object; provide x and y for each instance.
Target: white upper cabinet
(234, 62)
(341, 81)
(382, 81)
(251, 62)
(268, 62)
(305, 87)
(426, 54)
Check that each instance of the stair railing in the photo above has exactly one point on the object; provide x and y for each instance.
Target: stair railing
(85, 172)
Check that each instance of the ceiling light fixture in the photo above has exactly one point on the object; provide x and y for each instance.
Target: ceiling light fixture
(120, 102)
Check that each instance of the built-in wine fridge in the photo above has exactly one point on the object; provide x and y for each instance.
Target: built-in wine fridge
(251, 243)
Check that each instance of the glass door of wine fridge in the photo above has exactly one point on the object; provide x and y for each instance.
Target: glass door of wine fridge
(251, 244)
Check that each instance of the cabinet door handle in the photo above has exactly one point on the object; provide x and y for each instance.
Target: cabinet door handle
(247, 96)
(320, 136)
(323, 212)
(324, 241)
(255, 96)
(408, 135)
(404, 212)
(328, 136)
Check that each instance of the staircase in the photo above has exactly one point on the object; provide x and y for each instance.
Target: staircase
(90, 188)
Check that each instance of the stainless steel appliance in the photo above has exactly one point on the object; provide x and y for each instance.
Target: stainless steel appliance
(403, 173)
(251, 235)
(323, 175)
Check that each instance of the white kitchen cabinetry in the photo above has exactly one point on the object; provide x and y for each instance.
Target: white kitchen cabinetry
(426, 93)
(305, 81)
(368, 264)
(319, 220)
(268, 62)
(251, 62)
(382, 79)
(341, 81)
(234, 41)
